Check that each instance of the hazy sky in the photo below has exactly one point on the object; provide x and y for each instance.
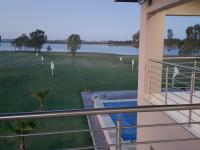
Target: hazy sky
(92, 19)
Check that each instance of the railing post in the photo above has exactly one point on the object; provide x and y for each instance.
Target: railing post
(118, 134)
(195, 65)
(150, 74)
(166, 84)
(191, 98)
(151, 147)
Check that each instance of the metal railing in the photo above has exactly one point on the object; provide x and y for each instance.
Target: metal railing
(175, 81)
(84, 112)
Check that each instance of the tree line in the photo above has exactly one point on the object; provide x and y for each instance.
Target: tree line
(109, 42)
(191, 44)
(37, 38)
(188, 46)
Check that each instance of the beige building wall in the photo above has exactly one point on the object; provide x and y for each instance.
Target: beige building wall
(151, 47)
(152, 33)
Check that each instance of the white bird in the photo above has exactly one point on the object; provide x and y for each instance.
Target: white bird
(133, 62)
(176, 72)
(36, 54)
(52, 68)
(120, 59)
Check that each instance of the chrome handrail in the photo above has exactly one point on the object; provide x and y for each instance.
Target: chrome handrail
(175, 65)
(181, 58)
(96, 129)
(83, 112)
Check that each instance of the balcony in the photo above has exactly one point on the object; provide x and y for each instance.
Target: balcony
(178, 84)
(174, 81)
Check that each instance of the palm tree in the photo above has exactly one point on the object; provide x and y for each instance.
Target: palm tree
(40, 95)
(21, 128)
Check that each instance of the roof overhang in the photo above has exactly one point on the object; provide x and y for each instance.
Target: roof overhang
(126, 0)
(133, 1)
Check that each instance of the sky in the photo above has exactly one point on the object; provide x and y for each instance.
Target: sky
(91, 19)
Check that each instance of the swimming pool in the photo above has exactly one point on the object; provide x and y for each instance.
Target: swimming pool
(128, 119)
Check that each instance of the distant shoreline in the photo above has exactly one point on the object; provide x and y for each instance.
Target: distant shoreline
(87, 43)
(68, 53)
(87, 53)
(92, 48)
(108, 43)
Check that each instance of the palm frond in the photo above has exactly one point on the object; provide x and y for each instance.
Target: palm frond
(22, 126)
(40, 94)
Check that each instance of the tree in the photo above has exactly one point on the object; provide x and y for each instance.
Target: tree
(37, 39)
(22, 41)
(40, 95)
(14, 44)
(170, 34)
(197, 31)
(136, 38)
(0, 38)
(22, 127)
(25, 41)
(18, 43)
(190, 32)
(191, 44)
(73, 43)
(169, 41)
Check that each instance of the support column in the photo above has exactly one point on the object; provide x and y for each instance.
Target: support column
(151, 47)
(152, 32)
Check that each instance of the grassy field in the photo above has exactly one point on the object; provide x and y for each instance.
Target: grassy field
(21, 73)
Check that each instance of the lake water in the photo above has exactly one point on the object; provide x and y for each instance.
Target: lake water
(120, 50)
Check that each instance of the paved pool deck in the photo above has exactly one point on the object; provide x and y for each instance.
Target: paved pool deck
(98, 137)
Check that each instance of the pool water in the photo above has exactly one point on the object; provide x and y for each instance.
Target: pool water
(128, 119)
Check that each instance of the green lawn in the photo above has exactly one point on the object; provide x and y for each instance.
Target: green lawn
(21, 73)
